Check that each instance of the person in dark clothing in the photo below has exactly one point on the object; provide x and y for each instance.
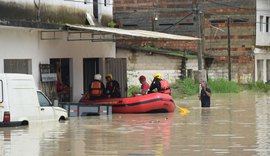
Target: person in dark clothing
(205, 95)
(96, 88)
(161, 85)
(112, 87)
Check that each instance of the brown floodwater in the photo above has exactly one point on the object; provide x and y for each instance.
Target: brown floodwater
(236, 124)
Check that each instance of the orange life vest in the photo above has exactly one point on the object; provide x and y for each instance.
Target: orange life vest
(95, 89)
(165, 87)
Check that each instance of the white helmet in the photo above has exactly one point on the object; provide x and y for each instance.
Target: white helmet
(97, 77)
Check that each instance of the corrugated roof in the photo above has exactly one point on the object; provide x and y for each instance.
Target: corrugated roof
(170, 52)
(134, 33)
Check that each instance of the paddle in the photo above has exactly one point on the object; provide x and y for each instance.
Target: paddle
(183, 110)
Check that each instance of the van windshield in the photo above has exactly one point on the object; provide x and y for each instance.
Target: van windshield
(43, 101)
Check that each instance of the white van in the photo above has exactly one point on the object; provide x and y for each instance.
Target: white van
(21, 103)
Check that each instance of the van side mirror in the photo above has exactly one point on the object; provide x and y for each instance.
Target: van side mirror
(55, 103)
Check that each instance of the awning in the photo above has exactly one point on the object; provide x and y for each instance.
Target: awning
(133, 33)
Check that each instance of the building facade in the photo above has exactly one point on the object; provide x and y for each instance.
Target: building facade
(234, 20)
(262, 47)
(180, 17)
(31, 37)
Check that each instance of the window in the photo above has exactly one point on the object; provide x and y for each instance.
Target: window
(261, 23)
(268, 70)
(260, 70)
(129, 26)
(267, 24)
(43, 101)
(23, 66)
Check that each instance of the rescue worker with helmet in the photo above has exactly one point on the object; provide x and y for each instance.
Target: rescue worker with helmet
(160, 84)
(112, 87)
(96, 88)
(144, 86)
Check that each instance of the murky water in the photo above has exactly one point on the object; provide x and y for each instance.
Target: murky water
(236, 124)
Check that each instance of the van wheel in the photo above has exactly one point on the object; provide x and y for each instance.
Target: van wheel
(24, 123)
(62, 119)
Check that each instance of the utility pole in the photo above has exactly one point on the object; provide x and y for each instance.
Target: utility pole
(200, 74)
(198, 14)
(154, 22)
(229, 48)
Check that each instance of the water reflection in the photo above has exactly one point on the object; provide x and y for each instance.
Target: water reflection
(236, 124)
(28, 140)
(263, 126)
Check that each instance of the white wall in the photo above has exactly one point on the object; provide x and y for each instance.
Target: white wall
(78, 4)
(106, 10)
(26, 44)
(263, 9)
(261, 54)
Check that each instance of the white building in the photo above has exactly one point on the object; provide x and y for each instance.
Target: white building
(24, 46)
(262, 48)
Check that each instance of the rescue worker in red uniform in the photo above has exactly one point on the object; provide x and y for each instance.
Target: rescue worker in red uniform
(96, 88)
(144, 86)
(161, 85)
(112, 87)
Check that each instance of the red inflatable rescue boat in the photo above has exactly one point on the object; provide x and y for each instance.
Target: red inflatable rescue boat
(150, 103)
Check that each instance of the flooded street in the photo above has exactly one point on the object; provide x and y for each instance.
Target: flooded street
(236, 124)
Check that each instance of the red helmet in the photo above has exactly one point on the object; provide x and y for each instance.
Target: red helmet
(142, 78)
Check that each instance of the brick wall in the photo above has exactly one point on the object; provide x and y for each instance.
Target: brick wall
(138, 14)
(242, 30)
(131, 14)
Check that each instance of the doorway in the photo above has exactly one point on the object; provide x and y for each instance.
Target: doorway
(90, 68)
(118, 68)
(61, 66)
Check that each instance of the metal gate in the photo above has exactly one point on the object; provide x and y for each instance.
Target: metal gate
(118, 68)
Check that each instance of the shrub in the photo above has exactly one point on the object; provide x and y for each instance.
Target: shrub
(133, 88)
(223, 86)
(184, 87)
(189, 87)
(259, 86)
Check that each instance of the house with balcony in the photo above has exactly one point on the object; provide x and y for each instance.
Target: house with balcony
(262, 46)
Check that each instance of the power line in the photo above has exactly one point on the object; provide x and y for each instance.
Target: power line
(88, 2)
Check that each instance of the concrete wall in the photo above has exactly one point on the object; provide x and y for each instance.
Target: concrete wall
(20, 43)
(144, 63)
(240, 73)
